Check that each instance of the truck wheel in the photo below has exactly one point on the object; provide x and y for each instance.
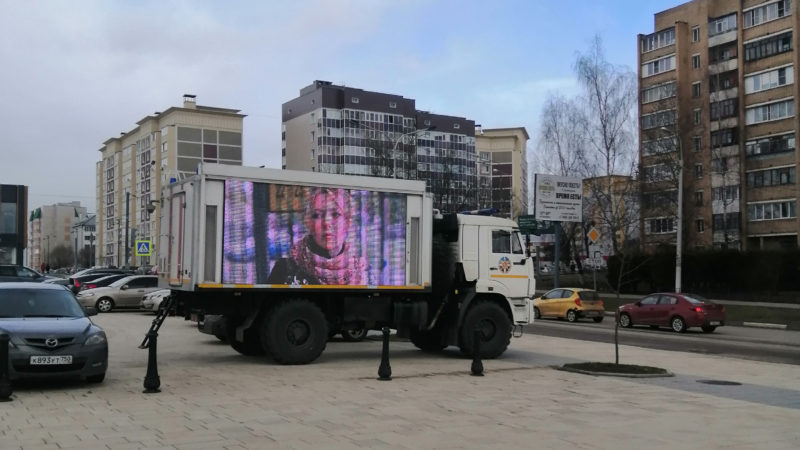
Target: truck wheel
(354, 334)
(495, 329)
(295, 332)
(427, 340)
(251, 345)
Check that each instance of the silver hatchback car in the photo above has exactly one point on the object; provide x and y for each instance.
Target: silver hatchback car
(124, 293)
(50, 334)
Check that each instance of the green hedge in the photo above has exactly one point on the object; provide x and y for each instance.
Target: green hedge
(736, 274)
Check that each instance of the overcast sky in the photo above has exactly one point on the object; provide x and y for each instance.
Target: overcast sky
(75, 73)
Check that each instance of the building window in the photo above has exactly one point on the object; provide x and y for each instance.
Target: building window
(768, 46)
(695, 61)
(771, 111)
(722, 53)
(660, 225)
(456, 126)
(354, 99)
(769, 145)
(724, 108)
(721, 138)
(695, 34)
(700, 225)
(724, 80)
(658, 172)
(769, 80)
(772, 177)
(698, 171)
(721, 25)
(698, 198)
(697, 143)
(726, 194)
(766, 13)
(659, 92)
(659, 146)
(698, 116)
(696, 89)
(657, 66)
(721, 165)
(718, 221)
(658, 119)
(784, 209)
(393, 105)
(657, 40)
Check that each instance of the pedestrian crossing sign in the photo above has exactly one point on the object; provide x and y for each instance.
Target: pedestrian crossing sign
(143, 248)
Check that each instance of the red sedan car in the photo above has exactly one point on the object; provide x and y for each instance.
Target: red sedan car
(677, 311)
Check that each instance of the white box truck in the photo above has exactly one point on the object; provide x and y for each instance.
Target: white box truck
(288, 257)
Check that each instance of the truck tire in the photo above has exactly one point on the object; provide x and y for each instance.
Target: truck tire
(495, 327)
(251, 345)
(354, 334)
(294, 332)
(427, 340)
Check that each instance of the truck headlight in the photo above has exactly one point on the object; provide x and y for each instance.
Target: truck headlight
(95, 339)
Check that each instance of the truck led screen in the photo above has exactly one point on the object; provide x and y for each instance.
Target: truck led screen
(300, 235)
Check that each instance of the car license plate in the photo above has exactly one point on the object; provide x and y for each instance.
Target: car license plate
(715, 322)
(51, 360)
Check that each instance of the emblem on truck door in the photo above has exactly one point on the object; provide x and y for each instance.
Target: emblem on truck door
(504, 264)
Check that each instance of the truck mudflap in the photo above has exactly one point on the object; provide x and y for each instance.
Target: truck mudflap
(517, 330)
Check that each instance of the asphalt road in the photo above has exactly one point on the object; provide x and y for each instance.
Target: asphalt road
(779, 346)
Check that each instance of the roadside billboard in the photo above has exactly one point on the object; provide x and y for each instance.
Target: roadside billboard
(558, 199)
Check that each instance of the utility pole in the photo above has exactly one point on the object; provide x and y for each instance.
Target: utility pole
(127, 217)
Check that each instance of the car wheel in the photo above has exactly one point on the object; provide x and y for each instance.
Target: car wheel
(105, 304)
(94, 379)
(536, 313)
(251, 345)
(625, 320)
(294, 332)
(495, 328)
(598, 319)
(354, 334)
(678, 324)
(709, 328)
(572, 316)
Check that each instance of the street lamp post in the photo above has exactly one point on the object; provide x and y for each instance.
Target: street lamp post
(679, 240)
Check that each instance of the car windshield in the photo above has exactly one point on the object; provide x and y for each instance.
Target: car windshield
(38, 303)
(103, 278)
(694, 299)
(588, 295)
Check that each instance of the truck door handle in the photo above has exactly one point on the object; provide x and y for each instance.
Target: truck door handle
(521, 263)
(492, 268)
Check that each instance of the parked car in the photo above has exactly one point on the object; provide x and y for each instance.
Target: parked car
(677, 311)
(569, 303)
(58, 281)
(76, 281)
(51, 334)
(102, 280)
(124, 293)
(12, 272)
(152, 301)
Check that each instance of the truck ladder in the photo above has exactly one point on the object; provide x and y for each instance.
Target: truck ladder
(162, 314)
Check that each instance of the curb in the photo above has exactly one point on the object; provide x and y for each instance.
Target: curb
(610, 374)
(774, 326)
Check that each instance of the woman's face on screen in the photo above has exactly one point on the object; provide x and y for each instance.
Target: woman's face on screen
(328, 223)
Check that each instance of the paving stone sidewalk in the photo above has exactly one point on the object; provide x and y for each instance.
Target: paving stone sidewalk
(213, 398)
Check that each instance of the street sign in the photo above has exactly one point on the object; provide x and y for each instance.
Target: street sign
(558, 198)
(529, 225)
(143, 248)
(593, 235)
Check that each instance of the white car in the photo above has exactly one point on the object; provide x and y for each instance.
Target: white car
(152, 301)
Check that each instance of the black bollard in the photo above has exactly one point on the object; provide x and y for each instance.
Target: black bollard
(152, 382)
(385, 370)
(477, 365)
(5, 379)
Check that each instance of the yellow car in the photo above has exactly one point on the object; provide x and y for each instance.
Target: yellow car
(570, 303)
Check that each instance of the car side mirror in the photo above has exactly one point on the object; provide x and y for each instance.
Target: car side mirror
(124, 288)
(90, 310)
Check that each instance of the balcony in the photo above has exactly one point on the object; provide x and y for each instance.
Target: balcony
(721, 124)
(724, 66)
(723, 38)
(724, 94)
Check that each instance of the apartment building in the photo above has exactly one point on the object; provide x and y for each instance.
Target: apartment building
(717, 92)
(51, 228)
(339, 129)
(503, 170)
(163, 147)
(13, 228)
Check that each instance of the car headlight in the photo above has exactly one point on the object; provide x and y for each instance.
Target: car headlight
(95, 339)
